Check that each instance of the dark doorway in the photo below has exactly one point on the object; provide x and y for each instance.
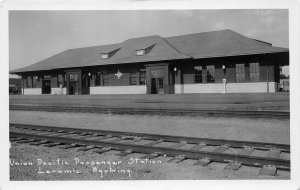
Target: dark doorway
(153, 86)
(73, 88)
(46, 87)
(157, 86)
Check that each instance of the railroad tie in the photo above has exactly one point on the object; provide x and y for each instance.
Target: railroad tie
(135, 139)
(221, 148)
(26, 141)
(125, 152)
(14, 139)
(233, 165)
(178, 145)
(203, 162)
(268, 170)
(177, 159)
(152, 155)
(274, 153)
(39, 142)
(198, 146)
(53, 144)
(87, 148)
(154, 142)
(73, 145)
(246, 151)
(102, 150)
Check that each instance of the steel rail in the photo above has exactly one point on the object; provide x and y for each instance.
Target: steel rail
(154, 111)
(189, 154)
(166, 138)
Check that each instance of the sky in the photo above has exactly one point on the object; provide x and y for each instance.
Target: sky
(36, 35)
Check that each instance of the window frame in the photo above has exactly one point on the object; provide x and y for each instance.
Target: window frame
(211, 70)
(254, 75)
(105, 77)
(240, 73)
(198, 75)
(98, 79)
(142, 77)
(131, 77)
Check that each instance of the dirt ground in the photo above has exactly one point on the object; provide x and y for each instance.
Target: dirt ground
(227, 128)
(262, 130)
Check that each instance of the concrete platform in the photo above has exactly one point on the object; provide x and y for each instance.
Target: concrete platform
(248, 102)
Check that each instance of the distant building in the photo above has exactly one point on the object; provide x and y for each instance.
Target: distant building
(209, 62)
(15, 85)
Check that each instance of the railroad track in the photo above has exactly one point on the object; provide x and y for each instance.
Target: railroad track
(272, 157)
(152, 111)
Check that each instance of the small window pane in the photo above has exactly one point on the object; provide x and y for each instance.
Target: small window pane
(105, 79)
(142, 77)
(160, 83)
(240, 72)
(254, 72)
(104, 55)
(133, 78)
(73, 77)
(210, 73)
(98, 79)
(198, 74)
(140, 52)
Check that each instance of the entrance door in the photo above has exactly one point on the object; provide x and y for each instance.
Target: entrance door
(153, 86)
(46, 87)
(157, 86)
(73, 88)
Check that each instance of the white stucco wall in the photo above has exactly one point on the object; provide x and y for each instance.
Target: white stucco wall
(250, 87)
(136, 89)
(203, 88)
(58, 91)
(258, 87)
(32, 91)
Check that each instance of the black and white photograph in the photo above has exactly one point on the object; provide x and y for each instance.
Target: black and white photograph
(149, 94)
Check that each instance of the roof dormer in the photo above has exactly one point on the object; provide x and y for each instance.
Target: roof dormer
(106, 55)
(141, 52)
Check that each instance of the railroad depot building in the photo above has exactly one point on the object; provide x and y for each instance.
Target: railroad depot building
(209, 62)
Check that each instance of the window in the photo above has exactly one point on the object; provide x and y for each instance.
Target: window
(73, 77)
(98, 79)
(144, 51)
(210, 73)
(60, 80)
(140, 52)
(240, 72)
(29, 82)
(155, 73)
(105, 79)
(142, 77)
(160, 83)
(34, 81)
(133, 79)
(254, 72)
(198, 74)
(104, 55)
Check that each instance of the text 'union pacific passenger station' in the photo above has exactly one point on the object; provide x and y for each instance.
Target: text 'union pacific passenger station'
(209, 62)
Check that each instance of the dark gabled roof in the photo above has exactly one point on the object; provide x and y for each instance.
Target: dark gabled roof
(220, 44)
(201, 45)
(91, 56)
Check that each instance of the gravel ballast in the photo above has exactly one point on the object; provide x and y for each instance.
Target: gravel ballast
(263, 130)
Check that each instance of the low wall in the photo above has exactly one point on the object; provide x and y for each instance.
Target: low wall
(250, 87)
(32, 91)
(141, 89)
(58, 91)
(258, 87)
(203, 88)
